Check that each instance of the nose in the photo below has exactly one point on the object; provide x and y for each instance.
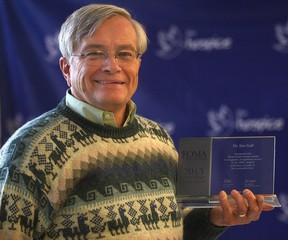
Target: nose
(110, 64)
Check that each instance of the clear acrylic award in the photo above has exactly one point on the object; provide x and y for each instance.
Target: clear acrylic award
(208, 165)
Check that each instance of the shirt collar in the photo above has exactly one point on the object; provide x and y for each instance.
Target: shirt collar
(97, 115)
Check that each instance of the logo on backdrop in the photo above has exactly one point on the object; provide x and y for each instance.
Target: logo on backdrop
(281, 34)
(283, 216)
(224, 121)
(51, 43)
(168, 126)
(173, 41)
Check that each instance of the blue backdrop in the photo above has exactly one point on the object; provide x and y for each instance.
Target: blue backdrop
(213, 68)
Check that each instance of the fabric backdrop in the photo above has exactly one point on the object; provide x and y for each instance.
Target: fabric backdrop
(213, 68)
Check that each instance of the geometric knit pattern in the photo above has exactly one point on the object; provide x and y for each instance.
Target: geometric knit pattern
(64, 177)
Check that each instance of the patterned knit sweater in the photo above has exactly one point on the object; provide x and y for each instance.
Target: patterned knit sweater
(64, 177)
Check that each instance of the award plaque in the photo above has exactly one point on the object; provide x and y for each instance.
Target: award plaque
(208, 165)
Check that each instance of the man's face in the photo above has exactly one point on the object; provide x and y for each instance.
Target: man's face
(111, 84)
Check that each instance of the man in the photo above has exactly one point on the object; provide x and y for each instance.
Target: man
(92, 168)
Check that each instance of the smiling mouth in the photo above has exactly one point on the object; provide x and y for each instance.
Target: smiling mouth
(109, 82)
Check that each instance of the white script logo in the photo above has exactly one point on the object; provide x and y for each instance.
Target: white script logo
(173, 41)
(51, 43)
(224, 122)
(283, 199)
(281, 34)
(168, 126)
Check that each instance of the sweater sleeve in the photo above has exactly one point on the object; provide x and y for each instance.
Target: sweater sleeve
(198, 227)
(22, 195)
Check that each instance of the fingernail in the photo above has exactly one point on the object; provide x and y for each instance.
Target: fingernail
(234, 191)
(223, 194)
(246, 191)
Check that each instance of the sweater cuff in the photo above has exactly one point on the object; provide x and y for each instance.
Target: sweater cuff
(197, 226)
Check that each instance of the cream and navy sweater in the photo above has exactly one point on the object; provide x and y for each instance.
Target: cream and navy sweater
(64, 177)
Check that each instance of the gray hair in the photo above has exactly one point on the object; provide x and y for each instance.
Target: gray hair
(85, 21)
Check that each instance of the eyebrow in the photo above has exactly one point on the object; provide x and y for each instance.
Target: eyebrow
(101, 46)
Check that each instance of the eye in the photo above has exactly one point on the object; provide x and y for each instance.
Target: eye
(94, 54)
(126, 54)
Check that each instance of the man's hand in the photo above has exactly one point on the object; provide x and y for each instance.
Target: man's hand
(239, 209)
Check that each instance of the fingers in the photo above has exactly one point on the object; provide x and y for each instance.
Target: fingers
(223, 201)
(267, 207)
(238, 209)
(255, 204)
(227, 210)
(241, 203)
(259, 199)
(249, 205)
(218, 215)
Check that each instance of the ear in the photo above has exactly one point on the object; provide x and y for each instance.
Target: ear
(65, 68)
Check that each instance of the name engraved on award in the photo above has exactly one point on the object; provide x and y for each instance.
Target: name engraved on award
(240, 163)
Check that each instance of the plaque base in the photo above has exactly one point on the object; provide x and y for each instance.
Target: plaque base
(213, 201)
